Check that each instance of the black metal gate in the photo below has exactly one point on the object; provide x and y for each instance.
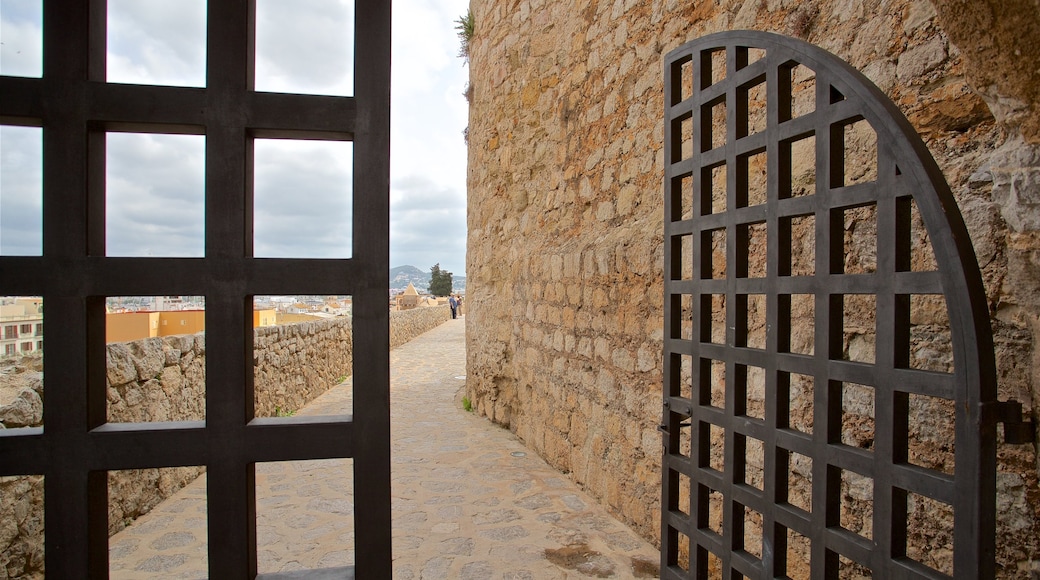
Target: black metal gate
(75, 106)
(811, 247)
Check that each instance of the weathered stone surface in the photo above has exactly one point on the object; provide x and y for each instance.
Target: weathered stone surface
(24, 411)
(565, 209)
(21, 527)
(148, 357)
(997, 39)
(121, 369)
(1015, 172)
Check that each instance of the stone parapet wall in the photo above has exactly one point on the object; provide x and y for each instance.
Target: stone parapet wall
(408, 324)
(565, 260)
(163, 379)
(157, 379)
(294, 363)
(149, 380)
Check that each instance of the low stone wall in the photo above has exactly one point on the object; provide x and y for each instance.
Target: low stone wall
(294, 363)
(149, 380)
(21, 522)
(408, 324)
(157, 379)
(163, 379)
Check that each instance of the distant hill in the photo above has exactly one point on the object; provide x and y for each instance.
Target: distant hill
(401, 276)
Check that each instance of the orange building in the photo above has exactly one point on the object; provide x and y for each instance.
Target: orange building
(182, 322)
(265, 317)
(127, 326)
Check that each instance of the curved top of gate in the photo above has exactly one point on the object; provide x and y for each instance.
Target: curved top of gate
(777, 146)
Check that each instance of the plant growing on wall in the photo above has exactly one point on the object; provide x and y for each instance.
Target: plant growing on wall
(464, 26)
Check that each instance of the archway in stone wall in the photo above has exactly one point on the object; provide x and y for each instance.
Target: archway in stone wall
(830, 387)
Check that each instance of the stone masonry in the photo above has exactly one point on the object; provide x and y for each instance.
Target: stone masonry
(163, 379)
(565, 221)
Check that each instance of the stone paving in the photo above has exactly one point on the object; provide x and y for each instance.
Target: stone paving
(469, 500)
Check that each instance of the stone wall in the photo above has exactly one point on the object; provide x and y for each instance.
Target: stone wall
(564, 260)
(408, 324)
(163, 379)
(154, 379)
(21, 520)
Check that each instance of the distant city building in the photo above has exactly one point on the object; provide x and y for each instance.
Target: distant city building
(128, 326)
(408, 299)
(411, 298)
(21, 326)
(265, 317)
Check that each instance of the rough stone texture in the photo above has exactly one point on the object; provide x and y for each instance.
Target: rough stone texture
(21, 527)
(998, 40)
(21, 520)
(163, 379)
(25, 411)
(157, 379)
(408, 324)
(294, 363)
(565, 244)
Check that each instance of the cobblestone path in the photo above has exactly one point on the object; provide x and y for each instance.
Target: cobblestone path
(469, 500)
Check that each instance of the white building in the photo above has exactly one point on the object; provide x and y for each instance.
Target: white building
(21, 326)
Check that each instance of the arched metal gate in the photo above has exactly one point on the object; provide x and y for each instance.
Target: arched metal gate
(830, 393)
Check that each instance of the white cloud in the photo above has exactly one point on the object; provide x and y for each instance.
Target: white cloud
(21, 199)
(155, 202)
(427, 225)
(157, 42)
(21, 38)
(305, 46)
(428, 160)
(302, 199)
(299, 211)
(424, 45)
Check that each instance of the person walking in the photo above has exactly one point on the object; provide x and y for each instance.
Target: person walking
(454, 306)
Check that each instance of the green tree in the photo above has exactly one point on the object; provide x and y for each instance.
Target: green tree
(440, 281)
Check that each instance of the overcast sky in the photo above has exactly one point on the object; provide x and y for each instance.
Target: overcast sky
(302, 193)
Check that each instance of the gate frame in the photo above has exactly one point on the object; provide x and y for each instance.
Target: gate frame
(76, 106)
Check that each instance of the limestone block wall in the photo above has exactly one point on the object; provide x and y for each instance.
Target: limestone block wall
(564, 327)
(294, 363)
(21, 517)
(163, 379)
(154, 379)
(408, 324)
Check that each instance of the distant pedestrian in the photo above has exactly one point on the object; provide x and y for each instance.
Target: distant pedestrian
(454, 306)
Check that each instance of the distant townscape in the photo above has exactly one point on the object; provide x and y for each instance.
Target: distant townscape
(402, 276)
(135, 317)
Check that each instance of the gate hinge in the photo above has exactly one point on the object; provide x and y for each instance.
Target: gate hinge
(1016, 431)
(663, 428)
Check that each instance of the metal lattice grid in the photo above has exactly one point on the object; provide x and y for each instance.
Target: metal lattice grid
(807, 233)
(75, 107)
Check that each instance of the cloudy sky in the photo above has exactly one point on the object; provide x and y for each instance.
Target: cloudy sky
(302, 196)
